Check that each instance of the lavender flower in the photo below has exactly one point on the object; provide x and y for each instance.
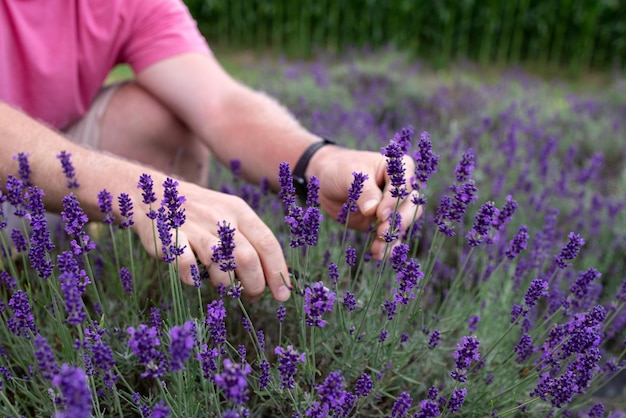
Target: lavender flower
(351, 256)
(524, 349)
(581, 286)
(75, 220)
(537, 289)
(456, 400)
(207, 357)
(483, 221)
(216, 313)
(596, 411)
(15, 194)
(155, 319)
(73, 385)
(146, 184)
(472, 323)
(144, 343)
(364, 386)
(24, 171)
(73, 283)
(44, 355)
(264, 377)
(101, 354)
(172, 202)
(105, 203)
(313, 192)
(395, 225)
(126, 210)
(428, 409)
(434, 340)
(181, 343)
(570, 251)
(506, 213)
(425, 161)
(318, 300)
(287, 190)
(260, 335)
(354, 193)
(288, 360)
(281, 314)
(8, 281)
(404, 138)
(394, 154)
(465, 167)
(333, 272)
(19, 240)
(331, 392)
(401, 406)
(558, 390)
(23, 320)
(160, 410)
(232, 381)
(349, 301)
(223, 252)
(68, 169)
(127, 280)
(407, 280)
(399, 255)
(465, 353)
(518, 243)
(40, 242)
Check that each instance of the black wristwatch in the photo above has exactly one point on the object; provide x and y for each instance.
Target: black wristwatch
(299, 181)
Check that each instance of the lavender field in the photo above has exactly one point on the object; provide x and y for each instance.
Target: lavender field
(506, 298)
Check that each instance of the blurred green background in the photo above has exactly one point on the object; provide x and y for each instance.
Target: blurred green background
(575, 35)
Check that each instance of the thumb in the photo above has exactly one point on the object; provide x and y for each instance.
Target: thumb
(185, 260)
(370, 198)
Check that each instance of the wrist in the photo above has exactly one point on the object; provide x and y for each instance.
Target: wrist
(307, 164)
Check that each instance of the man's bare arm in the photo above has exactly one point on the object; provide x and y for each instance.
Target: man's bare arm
(259, 255)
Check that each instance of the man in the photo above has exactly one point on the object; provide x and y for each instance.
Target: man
(54, 57)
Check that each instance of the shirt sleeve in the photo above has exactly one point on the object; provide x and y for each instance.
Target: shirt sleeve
(159, 29)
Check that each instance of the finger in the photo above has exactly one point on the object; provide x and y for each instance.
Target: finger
(249, 270)
(372, 193)
(274, 266)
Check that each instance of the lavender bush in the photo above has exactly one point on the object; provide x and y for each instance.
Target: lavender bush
(506, 298)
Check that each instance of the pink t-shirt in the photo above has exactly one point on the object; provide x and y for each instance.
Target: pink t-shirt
(55, 54)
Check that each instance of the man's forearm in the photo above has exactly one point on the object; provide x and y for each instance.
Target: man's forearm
(94, 171)
(235, 121)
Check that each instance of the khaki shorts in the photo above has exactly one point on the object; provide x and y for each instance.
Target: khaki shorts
(87, 131)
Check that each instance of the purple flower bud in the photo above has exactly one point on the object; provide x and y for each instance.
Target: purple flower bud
(425, 161)
(518, 243)
(127, 280)
(24, 171)
(45, 358)
(354, 193)
(77, 399)
(223, 252)
(68, 169)
(288, 360)
(105, 203)
(126, 210)
(465, 167)
(401, 406)
(570, 251)
(181, 343)
(23, 320)
(395, 169)
(146, 184)
(318, 300)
